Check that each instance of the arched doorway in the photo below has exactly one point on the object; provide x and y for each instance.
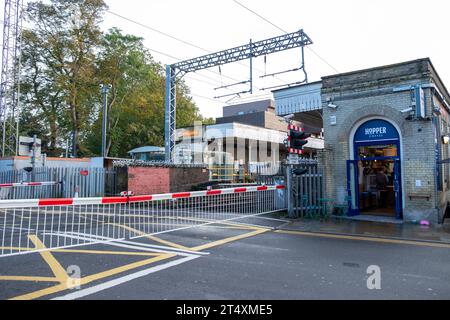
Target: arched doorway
(374, 176)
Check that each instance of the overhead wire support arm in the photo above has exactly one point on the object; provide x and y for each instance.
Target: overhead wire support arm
(280, 72)
(249, 51)
(232, 85)
(233, 94)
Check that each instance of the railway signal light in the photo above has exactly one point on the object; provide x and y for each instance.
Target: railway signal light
(297, 139)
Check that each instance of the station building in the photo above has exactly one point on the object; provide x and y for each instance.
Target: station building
(386, 133)
(249, 139)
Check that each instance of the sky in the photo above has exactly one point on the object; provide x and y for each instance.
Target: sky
(348, 34)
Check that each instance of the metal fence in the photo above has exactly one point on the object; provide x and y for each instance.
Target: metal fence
(271, 174)
(73, 182)
(34, 190)
(308, 189)
(36, 225)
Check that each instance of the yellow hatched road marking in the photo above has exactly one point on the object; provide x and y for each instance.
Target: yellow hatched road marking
(62, 277)
(30, 279)
(131, 266)
(119, 253)
(56, 267)
(228, 240)
(89, 279)
(165, 242)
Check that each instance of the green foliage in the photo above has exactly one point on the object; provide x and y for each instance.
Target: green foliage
(66, 58)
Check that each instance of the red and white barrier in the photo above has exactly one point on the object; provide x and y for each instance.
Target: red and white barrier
(130, 199)
(63, 223)
(28, 184)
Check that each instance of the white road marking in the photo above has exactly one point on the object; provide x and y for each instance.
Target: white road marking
(113, 283)
(140, 246)
(272, 219)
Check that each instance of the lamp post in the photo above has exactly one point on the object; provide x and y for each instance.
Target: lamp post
(105, 91)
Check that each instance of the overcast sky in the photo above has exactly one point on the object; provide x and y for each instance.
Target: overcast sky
(348, 34)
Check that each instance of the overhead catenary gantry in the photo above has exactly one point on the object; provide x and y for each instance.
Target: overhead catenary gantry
(10, 76)
(249, 51)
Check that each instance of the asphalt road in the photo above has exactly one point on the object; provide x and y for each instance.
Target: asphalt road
(236, 262)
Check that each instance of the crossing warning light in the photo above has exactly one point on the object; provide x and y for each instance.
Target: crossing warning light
(297, 139)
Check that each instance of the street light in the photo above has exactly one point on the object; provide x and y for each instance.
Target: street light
(105, 91)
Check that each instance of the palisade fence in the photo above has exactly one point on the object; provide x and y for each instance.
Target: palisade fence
(308, 189)
(270, 173)
(67, 183)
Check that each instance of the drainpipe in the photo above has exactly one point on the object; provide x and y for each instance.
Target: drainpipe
(436, 133)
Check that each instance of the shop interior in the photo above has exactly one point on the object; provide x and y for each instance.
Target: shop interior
(376, 180)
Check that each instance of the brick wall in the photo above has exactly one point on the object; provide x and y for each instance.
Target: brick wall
(145, 181)
(148, 180)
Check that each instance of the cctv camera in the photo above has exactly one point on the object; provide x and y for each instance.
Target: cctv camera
(288, 117)
(332, 106)
(407, 110)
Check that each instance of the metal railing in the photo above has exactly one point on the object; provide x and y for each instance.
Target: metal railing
(36, 225)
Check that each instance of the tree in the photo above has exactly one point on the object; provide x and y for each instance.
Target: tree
(60, 65)
(66, 58)
(136, 99)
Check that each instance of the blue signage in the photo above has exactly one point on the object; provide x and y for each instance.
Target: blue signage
(376, 130)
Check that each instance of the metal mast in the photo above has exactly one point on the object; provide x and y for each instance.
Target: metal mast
(248, 51)
(10, 75)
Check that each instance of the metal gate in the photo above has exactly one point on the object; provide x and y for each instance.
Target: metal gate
(308, 190)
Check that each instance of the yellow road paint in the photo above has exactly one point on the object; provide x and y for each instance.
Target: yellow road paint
(165, 242)
(30, 279)
(131, 266)
(56, 267)
(42, 293)
(242, 226)
(62, 277)
(119, 253)
(229, 240)
(368, 239)
(168, 243)
(89, 279)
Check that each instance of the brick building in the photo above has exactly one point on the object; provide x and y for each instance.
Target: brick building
(386, 139)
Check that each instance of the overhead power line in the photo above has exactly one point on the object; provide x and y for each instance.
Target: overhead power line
(181, 41)
(281, 29)
(156, 30)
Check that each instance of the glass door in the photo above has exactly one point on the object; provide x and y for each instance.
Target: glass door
(352, 187)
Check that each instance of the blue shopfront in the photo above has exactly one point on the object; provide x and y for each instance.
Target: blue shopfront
(374, 179)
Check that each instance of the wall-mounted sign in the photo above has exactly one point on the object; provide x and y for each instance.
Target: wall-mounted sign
(84, 173)
(333, 120)
(420, 102)
(376, 130)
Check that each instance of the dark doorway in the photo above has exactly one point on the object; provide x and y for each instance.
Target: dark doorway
(376, 179)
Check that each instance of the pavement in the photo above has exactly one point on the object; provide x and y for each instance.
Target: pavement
(254, 258)
(404, 231)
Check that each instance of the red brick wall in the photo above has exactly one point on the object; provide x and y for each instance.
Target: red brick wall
(147, 180)
(183, 179)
